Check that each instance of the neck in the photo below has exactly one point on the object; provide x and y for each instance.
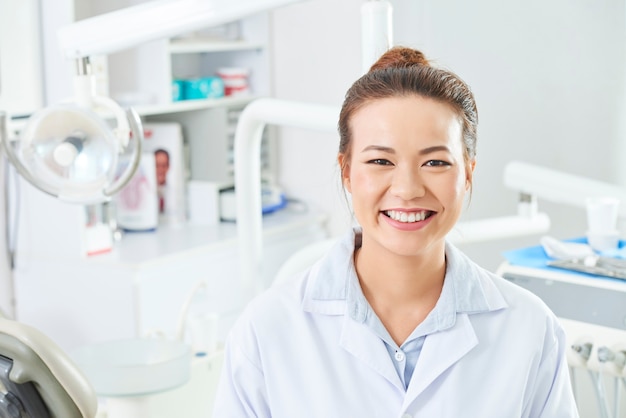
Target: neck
(393, 279)
(402, 290)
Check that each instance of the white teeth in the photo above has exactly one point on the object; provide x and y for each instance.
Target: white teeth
(406, 217)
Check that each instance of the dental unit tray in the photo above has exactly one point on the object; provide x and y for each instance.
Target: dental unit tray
(596, 265)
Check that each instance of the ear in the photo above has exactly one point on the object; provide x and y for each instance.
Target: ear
(469, 173)
(345, 171)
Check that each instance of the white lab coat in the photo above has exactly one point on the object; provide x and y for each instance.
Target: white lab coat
(297, 353)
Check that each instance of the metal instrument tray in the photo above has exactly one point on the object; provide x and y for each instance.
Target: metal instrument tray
(596, 265)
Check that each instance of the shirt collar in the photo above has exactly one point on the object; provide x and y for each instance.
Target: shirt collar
(334, 288)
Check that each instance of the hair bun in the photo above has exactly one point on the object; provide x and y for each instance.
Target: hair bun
(400, 57)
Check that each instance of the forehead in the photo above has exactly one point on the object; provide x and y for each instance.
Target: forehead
(415, 117)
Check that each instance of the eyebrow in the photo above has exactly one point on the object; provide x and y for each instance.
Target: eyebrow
(390, 150)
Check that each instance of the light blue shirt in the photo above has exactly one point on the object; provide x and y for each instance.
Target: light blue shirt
(442, 317)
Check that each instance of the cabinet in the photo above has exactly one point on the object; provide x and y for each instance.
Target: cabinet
(142, 285)
(144, 74)
(247, 46)
(142, 77)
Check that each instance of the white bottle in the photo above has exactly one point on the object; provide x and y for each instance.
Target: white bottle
(137, 204)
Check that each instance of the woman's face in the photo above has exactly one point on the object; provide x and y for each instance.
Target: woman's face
(406, 173)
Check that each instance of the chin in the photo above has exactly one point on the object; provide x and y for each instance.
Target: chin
(412, 247)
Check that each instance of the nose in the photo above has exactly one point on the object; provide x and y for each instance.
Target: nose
(407, 183)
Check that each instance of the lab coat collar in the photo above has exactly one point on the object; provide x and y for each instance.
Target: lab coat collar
(326, 289)
(334, 277)
(474, 290)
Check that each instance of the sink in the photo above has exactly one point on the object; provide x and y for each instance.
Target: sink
(134, 367)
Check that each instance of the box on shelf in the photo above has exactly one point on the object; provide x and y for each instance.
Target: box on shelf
(197, 88)
(203, 202)
(165, 141)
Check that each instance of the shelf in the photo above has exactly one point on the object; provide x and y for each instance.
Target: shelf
(190, 105)
(170, 243)
(16, 125)
(191, 46)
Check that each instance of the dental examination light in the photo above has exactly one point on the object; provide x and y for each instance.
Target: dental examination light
(68, 150)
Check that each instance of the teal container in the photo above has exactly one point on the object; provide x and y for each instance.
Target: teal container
(204, 88)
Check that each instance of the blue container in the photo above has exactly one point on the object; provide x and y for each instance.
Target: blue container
(204, 88)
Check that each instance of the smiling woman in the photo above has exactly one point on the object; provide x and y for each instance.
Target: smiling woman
(395, 321)
(406, 162)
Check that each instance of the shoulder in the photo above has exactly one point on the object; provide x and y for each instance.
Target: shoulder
(506, 302)
(528, 314)
(497, 291)
(270, 315)
(276, 302)
(527, 309)
(293, 306)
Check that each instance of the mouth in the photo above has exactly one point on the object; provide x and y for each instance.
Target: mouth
(408, 217)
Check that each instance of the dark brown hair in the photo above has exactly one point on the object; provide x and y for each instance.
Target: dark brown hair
(402, 72)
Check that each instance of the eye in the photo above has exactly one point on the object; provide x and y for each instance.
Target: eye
(379, 161)
(437, 163)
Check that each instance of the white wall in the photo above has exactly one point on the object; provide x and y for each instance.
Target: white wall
(549, 79)
(317, 56)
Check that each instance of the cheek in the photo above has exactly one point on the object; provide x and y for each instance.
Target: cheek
(365, 184)
(452, 188)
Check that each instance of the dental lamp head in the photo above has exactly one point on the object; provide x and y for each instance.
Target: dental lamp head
(70, 152)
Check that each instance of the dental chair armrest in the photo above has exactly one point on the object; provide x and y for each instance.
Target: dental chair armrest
(36, 358)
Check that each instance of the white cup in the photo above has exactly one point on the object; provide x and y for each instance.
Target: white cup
(602, 214)
(603, 241)
(602, 234)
